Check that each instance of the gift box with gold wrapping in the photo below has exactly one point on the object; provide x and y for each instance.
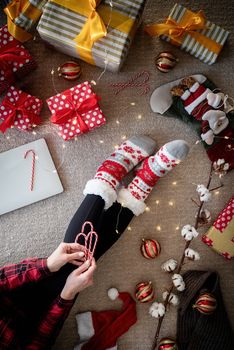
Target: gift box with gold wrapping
(22, 17)
(98, 32)
(192, 32)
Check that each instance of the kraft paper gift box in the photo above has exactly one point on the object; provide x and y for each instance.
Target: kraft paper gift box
(220, 236)
(22, 17)
(192, 32)
(92, 30)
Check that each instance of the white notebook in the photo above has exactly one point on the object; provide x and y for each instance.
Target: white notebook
(16, 176)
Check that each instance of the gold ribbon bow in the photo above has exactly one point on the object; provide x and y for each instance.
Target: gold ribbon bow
(190, 24)
(13, 10)
(94, 27)
(98, 17)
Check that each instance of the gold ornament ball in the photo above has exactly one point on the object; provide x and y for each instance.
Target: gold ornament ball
(206, 304)
(167, 344)
(70, 70)
(150, 248)
(144, 292)
(165, 62)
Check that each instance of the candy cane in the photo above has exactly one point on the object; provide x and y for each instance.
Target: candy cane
(90, 240)
(134, 83)
(33, 167)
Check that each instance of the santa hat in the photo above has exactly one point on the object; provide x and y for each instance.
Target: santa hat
(100, 330)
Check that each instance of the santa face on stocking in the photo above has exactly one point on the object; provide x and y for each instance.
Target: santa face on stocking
(196, 101)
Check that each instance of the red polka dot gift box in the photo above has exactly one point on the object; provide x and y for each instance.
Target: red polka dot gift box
(19, 110)
(76, 111)
(15, 60)
(220, 236)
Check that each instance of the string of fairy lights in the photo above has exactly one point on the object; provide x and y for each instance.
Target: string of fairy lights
(48, 128)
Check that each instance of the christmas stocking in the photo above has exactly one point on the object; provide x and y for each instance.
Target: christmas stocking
(152, 169)
(196, 101)
(114, 168)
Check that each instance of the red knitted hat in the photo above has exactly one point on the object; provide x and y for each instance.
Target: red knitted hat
(100, 330)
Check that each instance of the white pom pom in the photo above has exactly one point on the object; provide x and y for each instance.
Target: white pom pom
(113, 293)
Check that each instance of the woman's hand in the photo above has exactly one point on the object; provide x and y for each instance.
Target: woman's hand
(72, 253)
(79, 279)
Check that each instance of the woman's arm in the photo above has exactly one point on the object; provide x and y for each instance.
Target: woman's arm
(28, 270)
(52, 323)
(35, 269)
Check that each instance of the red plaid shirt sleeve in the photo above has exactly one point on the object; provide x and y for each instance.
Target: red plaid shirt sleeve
(52, 323)
(29, 270)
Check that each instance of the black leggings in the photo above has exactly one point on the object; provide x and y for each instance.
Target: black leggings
(35, 299)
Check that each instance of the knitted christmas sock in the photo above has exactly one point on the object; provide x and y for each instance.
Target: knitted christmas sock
(195, 101)
(114, 168)
(196, 331)
(152, 169)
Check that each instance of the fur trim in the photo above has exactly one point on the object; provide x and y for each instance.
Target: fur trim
(101, 188)
(126, 199)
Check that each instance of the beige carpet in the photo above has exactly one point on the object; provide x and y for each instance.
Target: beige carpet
(38, 229)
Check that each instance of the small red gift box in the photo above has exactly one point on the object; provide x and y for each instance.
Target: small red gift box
(76, 111)
(15, 60)
(20, 110)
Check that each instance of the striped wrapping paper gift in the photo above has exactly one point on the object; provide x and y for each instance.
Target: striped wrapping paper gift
(59, 26)
(28, 15)
(190, 45)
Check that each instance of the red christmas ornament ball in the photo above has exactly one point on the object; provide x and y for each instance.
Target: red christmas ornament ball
(144, 292)
(167, 344)
(150, 248)
(206, 304)
(165, 61)
(70, 70)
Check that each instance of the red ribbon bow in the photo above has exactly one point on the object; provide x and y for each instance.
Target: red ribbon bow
(16, 108)
(8, 54)
(75, 110)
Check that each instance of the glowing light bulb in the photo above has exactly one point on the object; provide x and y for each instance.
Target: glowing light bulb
(34, 132)
(101, 141)
(158, 228)
(216, 192)
(129, 228)
(226, 137)
(139, 116)
(124, 137)
(116, 146)
(157, 202)
(117, 122)
(64, 146)
(8, 137)
(54, 171)
(52, 72)
(174, 183)
(177, 228)
(147, 209)
(171, 203)
(132, 103)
